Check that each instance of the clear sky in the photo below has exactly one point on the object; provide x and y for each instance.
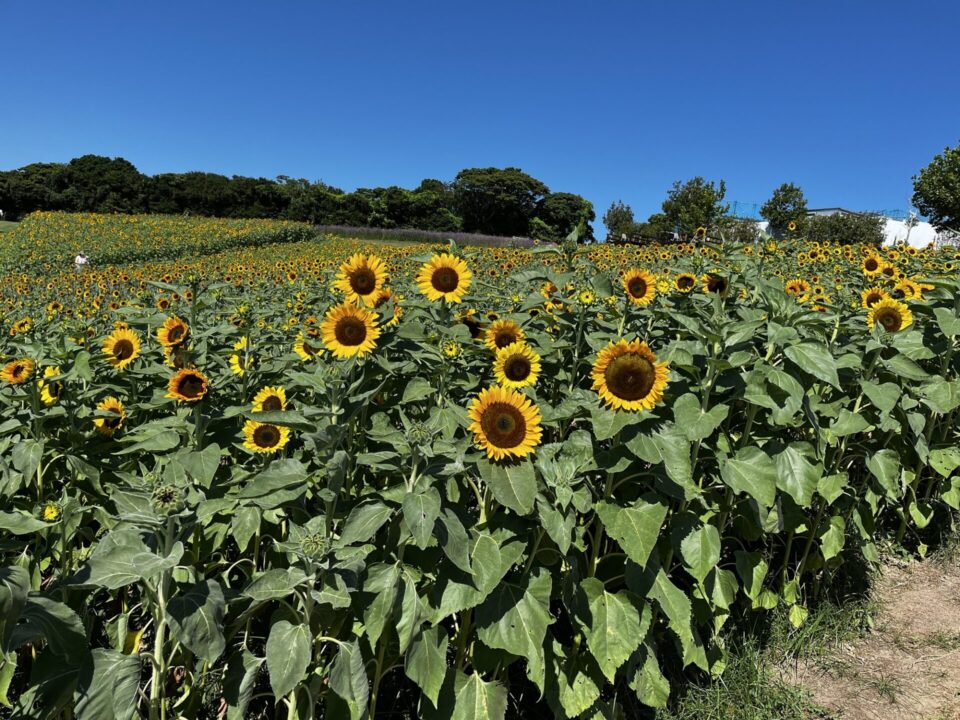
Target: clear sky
(847, 98)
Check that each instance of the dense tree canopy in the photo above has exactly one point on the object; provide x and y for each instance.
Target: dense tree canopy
(846, 229)
(787, 205)
(936, 190)
(488, 200)
(497, 201)
(692, 205)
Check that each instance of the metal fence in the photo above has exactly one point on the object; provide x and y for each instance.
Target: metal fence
(751, 211)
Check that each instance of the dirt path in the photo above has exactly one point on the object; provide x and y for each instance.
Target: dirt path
(908, 667)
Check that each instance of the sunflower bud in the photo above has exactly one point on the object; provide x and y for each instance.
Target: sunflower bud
(313, 546)
(51, 512)
(419, 434)
(167, 499)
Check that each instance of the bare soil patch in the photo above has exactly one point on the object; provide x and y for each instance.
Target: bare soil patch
(908, 667)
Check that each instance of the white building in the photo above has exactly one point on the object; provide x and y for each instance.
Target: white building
(917, 234)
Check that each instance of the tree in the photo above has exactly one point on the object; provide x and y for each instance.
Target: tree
(694, 204)
(102, 184)
(936, 190)
(739, 230)
(786, 205)
(619, 220)
(497, 201)
(562, 212)
(39, 186)
(846, 229)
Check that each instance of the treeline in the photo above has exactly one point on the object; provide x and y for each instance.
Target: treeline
(696, 208)
(493, 201)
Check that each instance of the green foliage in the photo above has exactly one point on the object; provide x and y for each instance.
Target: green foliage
(503, 202)
(562, 213)
(497, 201)
(936, 190)
(845, 229)
(737, 231)
(787, 205)
(692, 205)
(619, 221)
(380, 562)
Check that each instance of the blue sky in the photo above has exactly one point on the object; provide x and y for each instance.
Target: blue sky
(607, 99)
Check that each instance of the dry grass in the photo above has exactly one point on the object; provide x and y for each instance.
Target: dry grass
(908, 667)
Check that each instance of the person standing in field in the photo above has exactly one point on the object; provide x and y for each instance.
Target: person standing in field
(80, 261)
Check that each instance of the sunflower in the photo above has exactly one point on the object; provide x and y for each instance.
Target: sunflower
(385, 295)
(871, 265)
(444, 277)
(305, 350)
(685, 282)
(349, 330)
(503, 333)
(640, 285)
(50, 391)
(792, 226)
(451, 348)
(265, 438)
(270, 399)
(505, 423)
(241, 360)
(173, 332)
(122, 347)
(516, 365)
(907, 290)
(17, 371)
(175, 357)
(892, 315)
(798, 288)
(361, 278)
(871, 296)
(51, 512)
(715, 284)
(114, 413)
(628, 377)
(701, 232)
(188, 385)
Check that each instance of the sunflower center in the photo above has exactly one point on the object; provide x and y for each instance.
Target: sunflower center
(112, 423)
(272, 403)
(716, 284)
(445, 279)
(123, 349)
(890, 319)
(685, 282)
(504, 338)
(266, 436)
(17, 370)
(474, 327)
(630, 377)
(873, 299)
(350, 331)
(516, 368)
(363, 281)
(175, 334)
(870, 264)
(191, 386)
(637, 287)
(55, 388)
(503, 425)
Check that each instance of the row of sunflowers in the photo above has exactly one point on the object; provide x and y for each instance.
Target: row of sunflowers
(338, 478)
(46, 242)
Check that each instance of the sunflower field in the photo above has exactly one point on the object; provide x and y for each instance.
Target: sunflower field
(48, 241)
(342, 479)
